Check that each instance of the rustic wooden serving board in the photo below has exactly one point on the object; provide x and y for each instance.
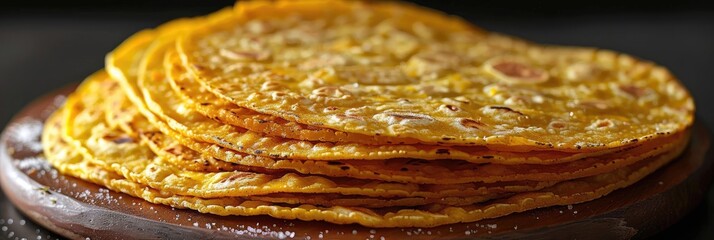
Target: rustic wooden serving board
(77, 209)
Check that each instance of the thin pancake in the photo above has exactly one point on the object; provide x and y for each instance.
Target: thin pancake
(319, 199)
(85, 129)
(450, 171)
(330, 200)
(415, 171)
(428, 172)
(225, 113)
(392, 69)
(165, 104)
(120, 113)
(457, 171)
(70, 162)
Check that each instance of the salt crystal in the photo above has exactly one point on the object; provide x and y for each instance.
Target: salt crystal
(33, 163)
(27, 134)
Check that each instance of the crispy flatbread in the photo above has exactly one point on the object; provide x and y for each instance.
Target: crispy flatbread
(396, 70)
(401, 170)
(70, 162)
(84, 128)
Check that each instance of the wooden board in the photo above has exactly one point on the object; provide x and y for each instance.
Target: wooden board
(76, 209)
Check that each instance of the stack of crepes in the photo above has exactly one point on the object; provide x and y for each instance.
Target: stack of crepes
(382, 114)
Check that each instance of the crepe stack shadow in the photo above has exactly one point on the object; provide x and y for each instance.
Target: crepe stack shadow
(382, 114)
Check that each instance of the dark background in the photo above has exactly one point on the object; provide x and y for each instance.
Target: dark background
(48, 44)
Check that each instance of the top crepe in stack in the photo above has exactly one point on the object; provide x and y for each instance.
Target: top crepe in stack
(381, 114)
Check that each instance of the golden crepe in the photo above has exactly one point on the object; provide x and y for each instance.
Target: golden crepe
(391, 69)
(85, 129)
(190, 126)
(216, 109)
(68, 161)
(162, 103)
(413, 170)
(382, 114)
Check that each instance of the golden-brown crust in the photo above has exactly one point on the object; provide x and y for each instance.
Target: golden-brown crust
(564, 81)
(309, 115)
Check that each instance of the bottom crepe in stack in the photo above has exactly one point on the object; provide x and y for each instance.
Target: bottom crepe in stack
(99, 136)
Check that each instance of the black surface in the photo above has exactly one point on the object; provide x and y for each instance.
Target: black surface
(43, 47)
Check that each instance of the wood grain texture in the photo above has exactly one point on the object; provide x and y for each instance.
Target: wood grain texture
(77, 209)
